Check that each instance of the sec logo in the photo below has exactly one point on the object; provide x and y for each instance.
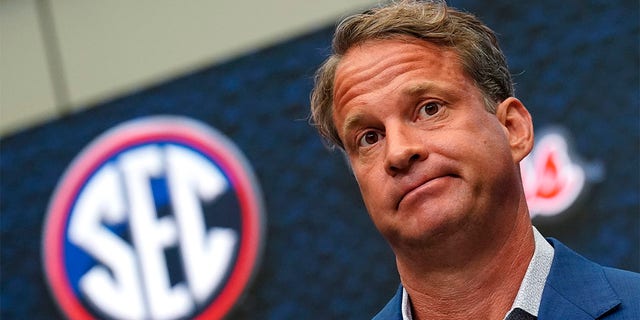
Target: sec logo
(158, 218)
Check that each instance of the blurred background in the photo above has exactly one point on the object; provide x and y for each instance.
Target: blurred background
(71, 70)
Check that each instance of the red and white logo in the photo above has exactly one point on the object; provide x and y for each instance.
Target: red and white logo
(552, 180)
(158, 218)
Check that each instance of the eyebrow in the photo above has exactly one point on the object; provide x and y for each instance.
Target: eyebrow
(420, 88)
(352, 122)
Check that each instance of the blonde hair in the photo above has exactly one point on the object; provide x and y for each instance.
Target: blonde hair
(432, 21)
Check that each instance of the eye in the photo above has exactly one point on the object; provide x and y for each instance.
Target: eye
(369, 138)
(429, 109)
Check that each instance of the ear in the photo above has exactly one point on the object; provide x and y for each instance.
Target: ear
(516, 120)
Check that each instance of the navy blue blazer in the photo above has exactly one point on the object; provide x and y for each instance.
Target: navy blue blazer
(576, 288)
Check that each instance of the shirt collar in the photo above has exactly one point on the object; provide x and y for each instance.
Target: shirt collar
(530, 292)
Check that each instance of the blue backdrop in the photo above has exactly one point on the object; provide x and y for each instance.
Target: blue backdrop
(575, 64)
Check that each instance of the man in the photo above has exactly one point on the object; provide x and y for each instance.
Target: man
(420, 99)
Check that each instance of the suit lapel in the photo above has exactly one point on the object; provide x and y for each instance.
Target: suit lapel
(576, 288)
(393, 309)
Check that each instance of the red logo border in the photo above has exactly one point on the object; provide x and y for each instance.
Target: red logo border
(142, 131)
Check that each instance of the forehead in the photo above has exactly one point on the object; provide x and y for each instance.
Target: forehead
(391, 47)
(394, 62)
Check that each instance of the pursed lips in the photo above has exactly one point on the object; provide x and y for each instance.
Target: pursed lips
(411, 187)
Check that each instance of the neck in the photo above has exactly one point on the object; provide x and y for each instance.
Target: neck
(481, 278)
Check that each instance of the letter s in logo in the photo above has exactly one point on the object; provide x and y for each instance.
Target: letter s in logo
(159, 218)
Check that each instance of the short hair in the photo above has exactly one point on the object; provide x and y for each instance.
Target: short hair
(433, 21)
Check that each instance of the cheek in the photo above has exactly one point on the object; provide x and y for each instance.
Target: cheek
(364, 183)
(493, 165)
(487, 138)
(364, 169)
(480, 153)
(371, 187)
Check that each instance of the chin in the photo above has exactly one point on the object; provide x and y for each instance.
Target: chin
(429, 229)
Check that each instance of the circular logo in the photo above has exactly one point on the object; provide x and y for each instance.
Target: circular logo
(158, 218)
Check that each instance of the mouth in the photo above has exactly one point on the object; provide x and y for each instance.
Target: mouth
(424, 188)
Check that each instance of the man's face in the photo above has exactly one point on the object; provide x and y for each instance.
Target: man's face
(430, 161)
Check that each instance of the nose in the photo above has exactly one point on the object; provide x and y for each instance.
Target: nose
(404, 147)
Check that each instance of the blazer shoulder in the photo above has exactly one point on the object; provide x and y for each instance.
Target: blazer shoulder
(623, 279)
(578, 288)
(626, 284)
